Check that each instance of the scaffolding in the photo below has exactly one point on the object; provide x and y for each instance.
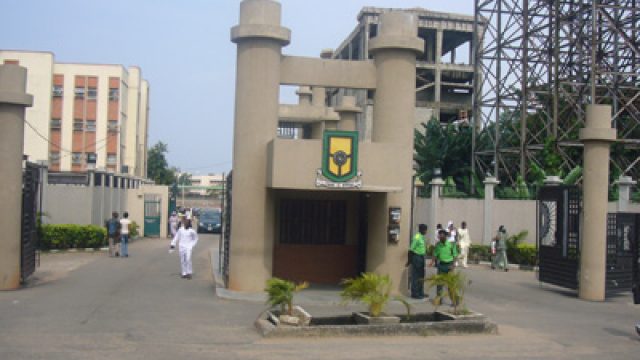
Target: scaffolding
(538, 64)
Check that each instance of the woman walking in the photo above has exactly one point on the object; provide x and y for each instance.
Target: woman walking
(187, 239)
(500, 261)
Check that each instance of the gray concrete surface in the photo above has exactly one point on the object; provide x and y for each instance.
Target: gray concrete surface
(89, 306)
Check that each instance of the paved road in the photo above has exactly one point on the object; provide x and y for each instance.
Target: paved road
(88, 306)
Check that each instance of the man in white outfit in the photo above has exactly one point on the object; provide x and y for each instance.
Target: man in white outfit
(187, 239)
(464, 239)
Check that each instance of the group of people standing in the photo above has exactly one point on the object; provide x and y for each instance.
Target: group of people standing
(451, 247)
(118, 233)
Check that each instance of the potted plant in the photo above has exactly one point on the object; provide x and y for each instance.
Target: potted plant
(280, 293)
(456, 284)
(374, 290)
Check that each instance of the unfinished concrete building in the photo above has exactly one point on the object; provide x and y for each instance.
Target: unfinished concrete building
(444, 72)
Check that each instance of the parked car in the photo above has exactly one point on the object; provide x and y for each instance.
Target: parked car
(210, 221)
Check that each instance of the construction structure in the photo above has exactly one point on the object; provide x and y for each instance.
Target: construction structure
(540, 63)
(444, 70)
(85, 116)
(331, 205)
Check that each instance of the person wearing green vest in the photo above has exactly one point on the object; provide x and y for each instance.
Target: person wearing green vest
(444, 256)
(417, 251)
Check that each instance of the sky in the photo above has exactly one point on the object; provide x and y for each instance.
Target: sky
(184, 51)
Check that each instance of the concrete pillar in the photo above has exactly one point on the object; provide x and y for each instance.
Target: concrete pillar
(304, 95)
(13, 100)
(489, 195)
(437, 91)
(259, 38)
(596, 136)
(436, 187)
(625, 183)
(552, 180)
(394, 51)
(348, 111)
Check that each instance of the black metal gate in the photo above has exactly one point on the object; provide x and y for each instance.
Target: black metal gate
(30, 207)
(559, 235)
(223, 261)
(622, 242)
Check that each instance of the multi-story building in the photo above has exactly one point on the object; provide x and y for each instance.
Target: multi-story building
(445, 71)
(83, 112)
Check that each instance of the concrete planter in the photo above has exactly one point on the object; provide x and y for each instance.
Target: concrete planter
(423, 324)
(365, 319)
(299, 317)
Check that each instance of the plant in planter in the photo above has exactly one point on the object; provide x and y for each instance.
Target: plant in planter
(280, 293)
(372, 289)
(456, 284)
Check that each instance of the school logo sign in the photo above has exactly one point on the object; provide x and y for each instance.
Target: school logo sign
(339, 160)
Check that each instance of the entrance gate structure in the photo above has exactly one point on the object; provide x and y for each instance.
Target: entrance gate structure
(30, 208)
(152, 215)
(559, 235)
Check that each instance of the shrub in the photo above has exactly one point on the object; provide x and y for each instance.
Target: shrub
(67, 236)
(479, 252)
(523, 254)
(134, 230)
(371, 289)
(280, 293)
(456, 284)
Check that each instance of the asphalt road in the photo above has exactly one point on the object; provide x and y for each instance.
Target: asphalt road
(89, 306)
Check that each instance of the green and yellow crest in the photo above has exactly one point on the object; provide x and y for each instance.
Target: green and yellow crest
(340, 155)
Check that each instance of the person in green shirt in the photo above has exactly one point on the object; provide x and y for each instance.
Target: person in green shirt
(444, 256)
(417, 251)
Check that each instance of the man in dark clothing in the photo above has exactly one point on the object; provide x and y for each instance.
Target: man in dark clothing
(113, 233)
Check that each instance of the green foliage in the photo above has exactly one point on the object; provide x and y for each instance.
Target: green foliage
(479, 252)
(635, 197)
(280, 293)
(450, 189)
(72, 236)
(157, 166)
(517, 238)
(134, 230)
(456, 284)
(551, 161)
(573, 176)
(185, 179)
(445, 147)
(371, 289)
(523, 254)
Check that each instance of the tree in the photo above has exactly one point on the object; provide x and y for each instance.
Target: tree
(158, 169)
(185, 179)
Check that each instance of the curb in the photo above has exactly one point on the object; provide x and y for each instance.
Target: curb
(74, 250)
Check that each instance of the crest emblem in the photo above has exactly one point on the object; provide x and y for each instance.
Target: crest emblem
(340, 155)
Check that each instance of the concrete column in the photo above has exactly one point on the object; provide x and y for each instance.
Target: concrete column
(436, 186)
(394, 51)
(437, 91)
(348, 111)
(596, 136)
(259, 38)
(489, 194)
(304, 95)
(552, 180)
(625, 183)
(13, 100)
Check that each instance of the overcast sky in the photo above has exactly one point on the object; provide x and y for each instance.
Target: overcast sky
(184, 51)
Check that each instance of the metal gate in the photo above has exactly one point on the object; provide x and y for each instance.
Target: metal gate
(559, 235)
(152, 215)
(29, 228)
(223, 252)
(622, 242)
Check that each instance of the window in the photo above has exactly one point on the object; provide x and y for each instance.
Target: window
(78, 125)
(90, 125)
(56, 123)
(76, 158)
(54, 157)
(79, 92)
(112, 125)
(92, 93)
(112, 159)
(114, 94)
(58, 91)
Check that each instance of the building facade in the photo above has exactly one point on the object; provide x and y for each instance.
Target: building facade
(444, 71)
(84, 112)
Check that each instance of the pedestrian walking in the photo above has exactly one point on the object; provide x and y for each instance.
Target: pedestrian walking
(113, 233)
(500, 261)
(435, 239)
(453, 232)
(124, 234)
(464, 241)
(187, 239)
(417, 251)
(444, 256)
(173, 224)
